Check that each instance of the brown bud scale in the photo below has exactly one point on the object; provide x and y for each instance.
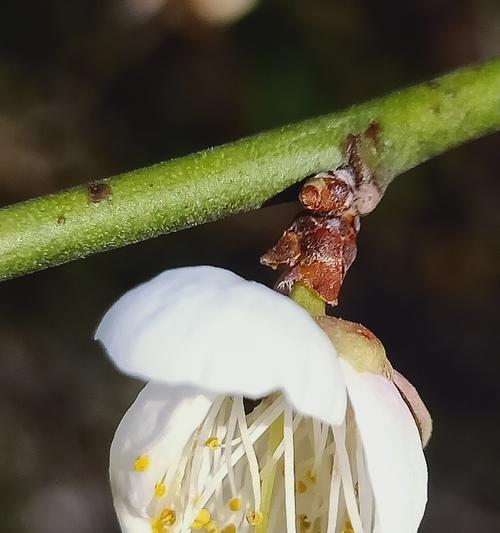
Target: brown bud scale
(318, 250)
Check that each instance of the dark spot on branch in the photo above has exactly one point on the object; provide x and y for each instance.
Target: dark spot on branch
(98, 191)
(373, 132)
(61, 219)
(436, 109)
(354, 161)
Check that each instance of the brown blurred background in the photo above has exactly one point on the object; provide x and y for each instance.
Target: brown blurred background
(92, 88)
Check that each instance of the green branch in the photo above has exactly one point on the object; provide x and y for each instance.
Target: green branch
(407, 127)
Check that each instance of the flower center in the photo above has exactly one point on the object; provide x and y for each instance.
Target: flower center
(269, 471)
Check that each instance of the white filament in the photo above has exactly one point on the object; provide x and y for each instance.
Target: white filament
(313, 455)
(342, 458)
(289, 471)
(253, 464)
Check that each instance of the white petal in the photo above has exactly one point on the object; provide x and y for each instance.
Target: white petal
(129, 523)
(157, 425)
(210, 328)
(417, 407)
(394, 456)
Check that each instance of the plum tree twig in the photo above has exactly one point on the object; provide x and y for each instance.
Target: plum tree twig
(406, 128)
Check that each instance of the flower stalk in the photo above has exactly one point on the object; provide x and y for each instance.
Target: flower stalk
(308, 299)
(407, 128)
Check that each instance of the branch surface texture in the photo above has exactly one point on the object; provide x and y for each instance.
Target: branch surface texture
(405, 128)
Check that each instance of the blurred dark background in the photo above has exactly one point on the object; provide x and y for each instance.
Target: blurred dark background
(92, 88)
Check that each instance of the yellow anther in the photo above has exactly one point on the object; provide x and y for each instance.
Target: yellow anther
(142, 463)
(255, 518)
(158, 527)
(348, 527)
(304, 523)
(310, 475)
(202, 519)
(211, 527)
(300, 487)
(168, 517)
(160, 489)
(234, 504)
(212, 442)
(230, 528)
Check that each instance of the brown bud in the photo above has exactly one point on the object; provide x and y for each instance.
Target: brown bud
(286, 251)
(329, 193)
(318, 251)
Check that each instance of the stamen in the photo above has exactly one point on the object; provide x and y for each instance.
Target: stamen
(157, 526)
(195, 479)
(333, 507)
(142, 463)
(208, 481)
(211, 527)
(348, 527)
(342, 458)
(160, 489)
(253, 464)
(212, 442)
(281, 448)
(202, 519)
(320, 432)
(254, 518)
(234, 504)
(168, 517)
(301, 487)
(289, 473)
(304, 523)
(255, 430)
(310, 475)
(231, 426)
(265, 418)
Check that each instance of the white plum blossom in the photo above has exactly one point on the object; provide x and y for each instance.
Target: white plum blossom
(252, 420)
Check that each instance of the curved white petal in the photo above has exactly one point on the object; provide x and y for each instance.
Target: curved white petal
(207, 327)
(417, 407)
(129, 523)
(157, 426)
(393, 450)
